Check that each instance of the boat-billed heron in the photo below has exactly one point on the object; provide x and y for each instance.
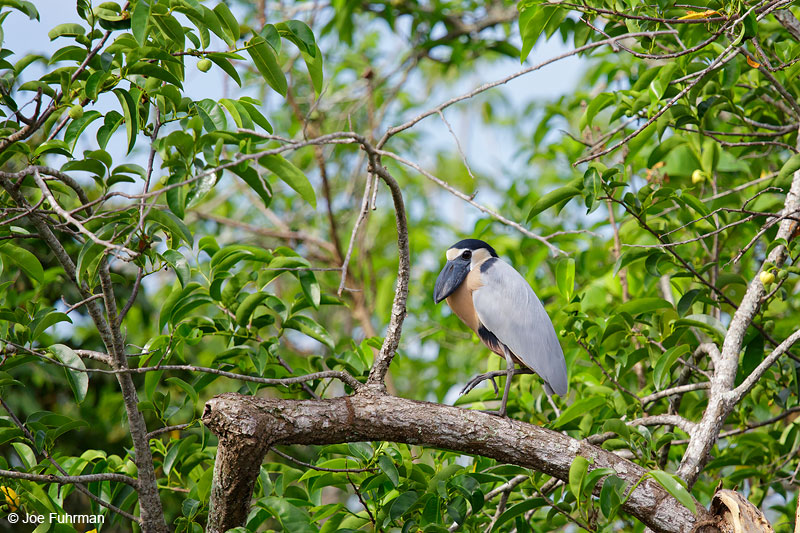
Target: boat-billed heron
(496, 302)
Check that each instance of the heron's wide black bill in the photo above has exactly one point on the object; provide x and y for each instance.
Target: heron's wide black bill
(451, 276)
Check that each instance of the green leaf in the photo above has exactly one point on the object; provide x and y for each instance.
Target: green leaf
(222, 62)
(254, 180)
(565, 277)
(694, 203)
(77, 126)
(186, 387)
(579, 408)
(25, 454)
(703, 321)
(611, 495)
(24, 259)
(577, 473)
(237, 112)
(131, 114)
(39, 326)
(211, 21)
(791, 166)
(516, 510)
(212, 115)
(674, 486)
(89, 261)
(174, 226)
(300, 34)
(387, 467)
(229, 23)
(687, 300)
(291, 518)
(292, 175)
(310, 286)
(140, 21)
(536, 19)
(402, 503)
(267, 64)
(256, 115)
(598, 103)
(177, 295)
(178, 264)
(66, 30)
(246, 308)
(640, 306)
(78, 380)
(53, 146)
(552, 198)
(663, 366)
(314, 66)
(306, 325)
(154, 71)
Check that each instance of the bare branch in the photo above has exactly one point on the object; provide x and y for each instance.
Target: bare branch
(326, 374)
(167, 429)
(485, 87)
(674, 391)
(750, 381)
(458, 145)
(362, 215)
(320, 468)
(497, 216)
(129, 254)
(69, 480)
(665, 420)
(267, 232)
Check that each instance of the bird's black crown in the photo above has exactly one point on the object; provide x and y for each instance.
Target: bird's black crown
(474, 244)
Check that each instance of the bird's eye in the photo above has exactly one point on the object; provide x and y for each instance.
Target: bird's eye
(466, 255)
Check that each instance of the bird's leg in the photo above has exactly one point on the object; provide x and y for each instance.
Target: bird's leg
(509, 375)
(553, 404)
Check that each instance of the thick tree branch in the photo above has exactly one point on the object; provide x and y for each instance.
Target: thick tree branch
(789, 21)
(248, 424)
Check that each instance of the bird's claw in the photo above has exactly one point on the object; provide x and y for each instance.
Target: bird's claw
(475, 381)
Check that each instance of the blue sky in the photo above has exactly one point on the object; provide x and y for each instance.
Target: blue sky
(486, 152)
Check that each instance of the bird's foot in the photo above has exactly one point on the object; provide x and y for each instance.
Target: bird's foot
(475, 381)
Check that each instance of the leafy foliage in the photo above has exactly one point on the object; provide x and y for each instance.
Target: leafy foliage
(199, 238)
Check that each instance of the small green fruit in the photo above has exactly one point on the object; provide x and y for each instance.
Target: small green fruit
(204, 65)
(766, 278)
(76, 111)
(697, 176)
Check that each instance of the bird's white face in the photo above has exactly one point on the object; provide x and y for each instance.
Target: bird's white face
(477, 256)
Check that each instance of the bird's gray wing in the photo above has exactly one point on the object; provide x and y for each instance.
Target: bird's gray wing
(508, 307)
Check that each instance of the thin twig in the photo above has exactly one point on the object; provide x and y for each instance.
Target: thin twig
(494, 214)
(321, 468)
(362, 214)
(69, 480)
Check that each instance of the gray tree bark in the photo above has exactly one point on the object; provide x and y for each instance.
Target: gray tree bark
(248, 426)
